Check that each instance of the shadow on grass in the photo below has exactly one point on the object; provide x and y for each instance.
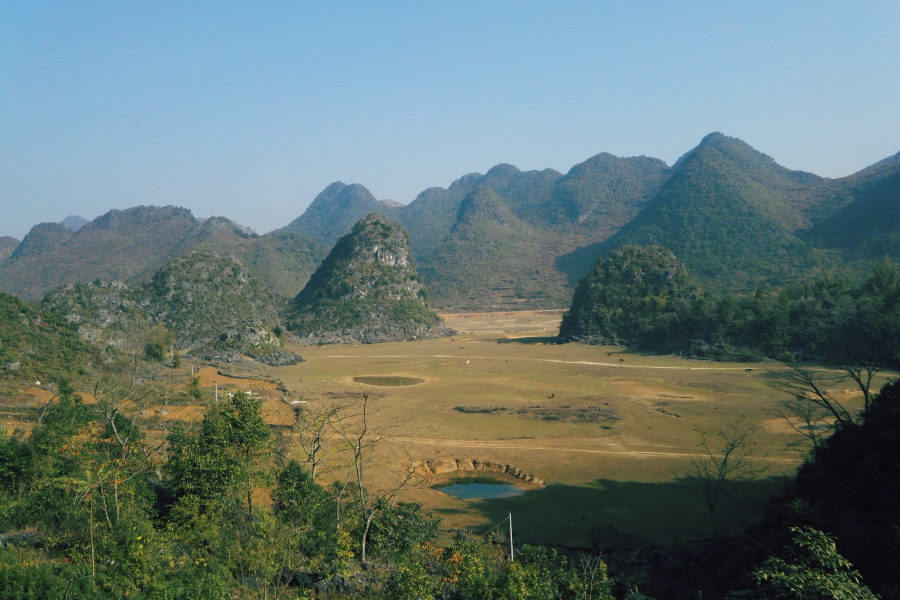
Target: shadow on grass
(617, 514)
(528, 340)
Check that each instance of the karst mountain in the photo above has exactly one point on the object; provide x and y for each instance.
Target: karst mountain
(366, 290)
(732, 214)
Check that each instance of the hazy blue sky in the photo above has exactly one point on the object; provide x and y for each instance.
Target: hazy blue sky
(248, 109)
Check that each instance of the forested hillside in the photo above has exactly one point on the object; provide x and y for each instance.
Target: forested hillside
(36, 343)
(867, 224)
(729, 220)
(645, 297)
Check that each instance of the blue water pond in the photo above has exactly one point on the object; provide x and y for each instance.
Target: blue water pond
(478, 491)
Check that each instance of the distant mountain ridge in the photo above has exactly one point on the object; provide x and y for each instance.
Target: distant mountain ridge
(74, 222)
(490, 257)
(733, 215)
(130, 245)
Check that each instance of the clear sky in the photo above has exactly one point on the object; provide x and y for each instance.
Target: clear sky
(249, 110)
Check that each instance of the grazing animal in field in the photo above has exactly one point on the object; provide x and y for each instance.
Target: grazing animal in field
(748, 370)
(621, 360)
(610, 354)
(467, 362)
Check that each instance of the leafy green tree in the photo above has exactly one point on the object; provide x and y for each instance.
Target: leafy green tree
(399, 529)
(812, 569)
(194, 390)
(214, 462)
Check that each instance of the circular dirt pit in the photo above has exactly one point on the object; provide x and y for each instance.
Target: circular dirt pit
(388, 380)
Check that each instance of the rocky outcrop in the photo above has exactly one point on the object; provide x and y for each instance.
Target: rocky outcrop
(443, 466)
(216, 307)
(367, 290)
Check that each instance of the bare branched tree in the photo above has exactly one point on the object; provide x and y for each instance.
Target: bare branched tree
(363, 437)
(807, 418)
(720, 471)
(812, 385)
(315, 422)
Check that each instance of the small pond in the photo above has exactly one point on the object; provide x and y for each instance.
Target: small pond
(477, 491)
(388, 380)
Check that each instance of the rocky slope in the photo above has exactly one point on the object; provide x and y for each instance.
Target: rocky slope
(216, 307)
(38, 345)
(367, 290)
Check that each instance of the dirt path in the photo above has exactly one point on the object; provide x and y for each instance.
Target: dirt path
(507, 446)
(549, 360)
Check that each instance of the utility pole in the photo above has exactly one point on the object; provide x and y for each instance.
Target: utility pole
(512, 554)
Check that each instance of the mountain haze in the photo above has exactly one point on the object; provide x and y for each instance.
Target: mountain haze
(8, 245)
(74, 222)
(130, 245)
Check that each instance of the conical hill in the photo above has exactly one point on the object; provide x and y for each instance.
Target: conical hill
(725, 218)
(366, 290)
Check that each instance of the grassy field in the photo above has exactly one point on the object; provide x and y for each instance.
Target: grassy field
(606, 430)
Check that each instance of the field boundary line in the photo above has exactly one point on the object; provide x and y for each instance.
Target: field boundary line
(550, 360)
(492, 444)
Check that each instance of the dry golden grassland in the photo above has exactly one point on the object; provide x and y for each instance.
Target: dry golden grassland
(605, 430)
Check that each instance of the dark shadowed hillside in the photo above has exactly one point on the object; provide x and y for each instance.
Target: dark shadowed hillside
(864, 223)
(8, 245)
(633, 297)
(491, 258)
